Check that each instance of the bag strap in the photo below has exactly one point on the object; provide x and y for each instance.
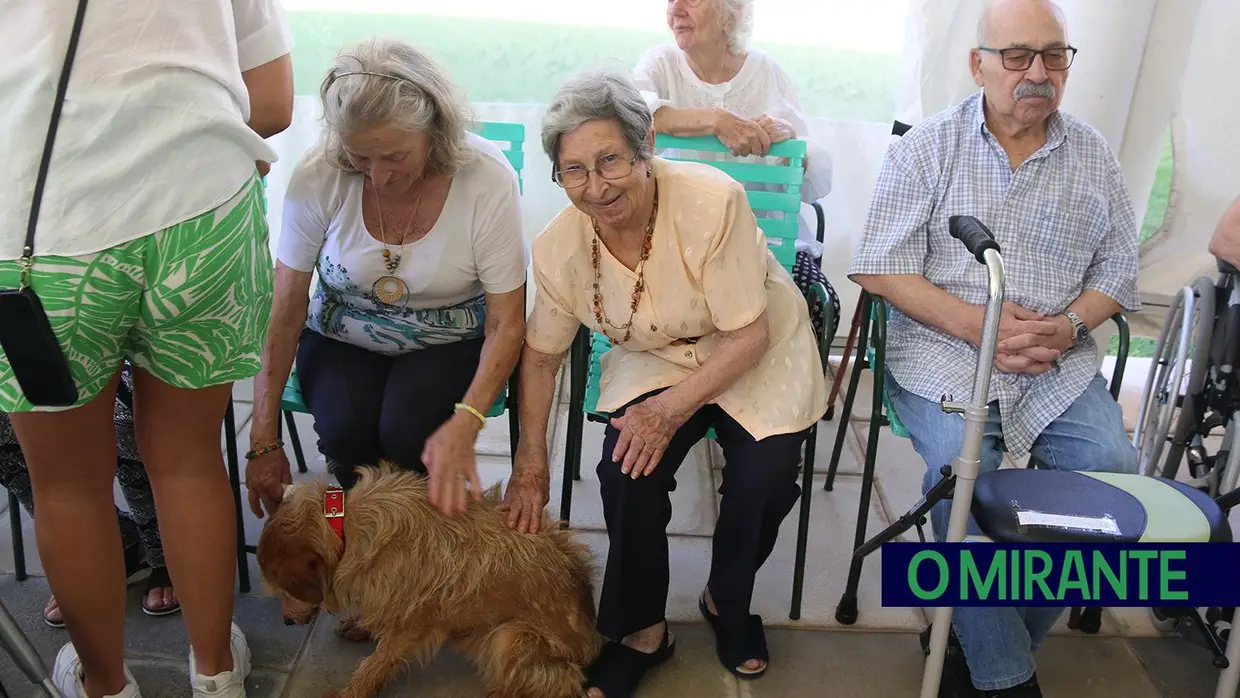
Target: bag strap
(61, 89)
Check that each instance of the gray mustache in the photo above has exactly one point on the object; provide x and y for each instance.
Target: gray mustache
(1034, 89)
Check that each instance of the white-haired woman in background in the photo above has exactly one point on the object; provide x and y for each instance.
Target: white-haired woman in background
(413, 224)
(710, 83)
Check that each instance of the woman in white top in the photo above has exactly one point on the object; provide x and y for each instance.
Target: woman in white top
(413, 226)
(150, 247)
(711, 83)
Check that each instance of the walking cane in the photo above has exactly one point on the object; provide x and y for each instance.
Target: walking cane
(981, 244)
(24, 655)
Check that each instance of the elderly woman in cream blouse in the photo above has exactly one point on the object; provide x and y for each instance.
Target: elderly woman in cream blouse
(711, 83)
(667, 260)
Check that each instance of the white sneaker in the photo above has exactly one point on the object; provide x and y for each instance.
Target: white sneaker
(228, 684)
(67, 676)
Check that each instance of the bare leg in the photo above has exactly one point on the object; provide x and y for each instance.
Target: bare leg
(72, 460)
(179, 438)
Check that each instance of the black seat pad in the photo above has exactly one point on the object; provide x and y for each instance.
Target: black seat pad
(1226, 267)
(1000, 495)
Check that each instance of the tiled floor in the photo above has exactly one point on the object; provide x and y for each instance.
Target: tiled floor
(878, 657)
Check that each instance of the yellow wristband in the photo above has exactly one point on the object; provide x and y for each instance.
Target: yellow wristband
(481, 417)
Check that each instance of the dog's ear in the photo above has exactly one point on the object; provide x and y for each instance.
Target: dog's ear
(302, 574)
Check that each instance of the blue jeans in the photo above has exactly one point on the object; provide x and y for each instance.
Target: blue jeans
(999, 643)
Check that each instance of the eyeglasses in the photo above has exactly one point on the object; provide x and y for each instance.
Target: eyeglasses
(608, 167)
(1059, 58)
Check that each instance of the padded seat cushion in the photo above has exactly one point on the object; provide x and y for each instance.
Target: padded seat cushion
(1019, 505)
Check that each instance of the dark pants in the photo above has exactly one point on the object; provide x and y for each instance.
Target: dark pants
(759, 489)
(369, 407)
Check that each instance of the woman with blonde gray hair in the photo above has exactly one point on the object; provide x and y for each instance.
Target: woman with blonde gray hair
(710, 82)
(413, 225)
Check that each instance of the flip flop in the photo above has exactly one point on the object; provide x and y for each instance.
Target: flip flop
(733, 650)
(620, 668)
(159, 579)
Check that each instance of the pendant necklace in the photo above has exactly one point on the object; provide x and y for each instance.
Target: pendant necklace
(391, 289)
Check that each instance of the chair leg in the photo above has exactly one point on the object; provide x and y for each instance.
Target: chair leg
(839, 374)
(234, 477)
(573, 435)
(850, 397)
(298, 455)
(807, 483)
(846, 612)
(19, 540)
(514, 416)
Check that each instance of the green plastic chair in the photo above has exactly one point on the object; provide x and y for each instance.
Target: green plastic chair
(777, 218)
(872, 345)
(291, 401)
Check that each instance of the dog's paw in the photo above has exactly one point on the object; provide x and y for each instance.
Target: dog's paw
(349, 630)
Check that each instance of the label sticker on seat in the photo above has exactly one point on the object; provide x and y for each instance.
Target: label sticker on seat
(1104, 524)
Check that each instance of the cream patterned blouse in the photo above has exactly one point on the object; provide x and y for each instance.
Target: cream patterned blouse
(709, 271)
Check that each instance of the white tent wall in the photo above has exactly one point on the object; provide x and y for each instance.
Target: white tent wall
(1136, 56)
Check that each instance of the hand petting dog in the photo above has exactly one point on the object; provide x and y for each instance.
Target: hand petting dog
(452, 464)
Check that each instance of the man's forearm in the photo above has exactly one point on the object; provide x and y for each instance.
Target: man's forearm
(926, 303)
(1094, 308)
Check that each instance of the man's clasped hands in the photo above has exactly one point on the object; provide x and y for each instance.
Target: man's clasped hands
(1031, 342)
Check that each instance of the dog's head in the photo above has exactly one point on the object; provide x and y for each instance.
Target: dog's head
(297, 552)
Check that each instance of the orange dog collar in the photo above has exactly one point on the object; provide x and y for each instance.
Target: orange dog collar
(333, 509)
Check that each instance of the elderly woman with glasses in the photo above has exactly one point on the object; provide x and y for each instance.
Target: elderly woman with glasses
(711, 83)
(667, 260)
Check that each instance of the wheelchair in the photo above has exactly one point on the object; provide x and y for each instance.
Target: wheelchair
(1142, 508)
(1192, 393)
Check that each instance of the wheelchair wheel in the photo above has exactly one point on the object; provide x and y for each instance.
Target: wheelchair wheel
(1193, 400)
(1188, 327)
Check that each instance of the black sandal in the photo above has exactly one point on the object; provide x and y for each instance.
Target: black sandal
(159, 579)
(620, 668)
(734, 651)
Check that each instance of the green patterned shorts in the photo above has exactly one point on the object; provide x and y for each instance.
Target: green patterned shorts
(190, 304)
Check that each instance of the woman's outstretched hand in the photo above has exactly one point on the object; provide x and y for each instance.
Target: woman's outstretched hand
(645, 431)
(266, 476)
(453, 465)
(528, 491)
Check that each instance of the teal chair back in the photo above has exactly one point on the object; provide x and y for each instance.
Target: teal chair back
(514, 136)
(776, 210)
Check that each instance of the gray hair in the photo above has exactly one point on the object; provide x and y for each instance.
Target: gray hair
(598, 95)
(386, 82)
(741, 14)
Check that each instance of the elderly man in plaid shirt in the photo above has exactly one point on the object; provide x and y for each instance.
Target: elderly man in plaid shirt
(1052, 192)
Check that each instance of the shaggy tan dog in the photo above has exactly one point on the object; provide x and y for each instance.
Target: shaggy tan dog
(521, 606)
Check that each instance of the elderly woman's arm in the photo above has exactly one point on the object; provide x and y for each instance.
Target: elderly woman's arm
(1225, 244)
(267, 474)
(528, 489)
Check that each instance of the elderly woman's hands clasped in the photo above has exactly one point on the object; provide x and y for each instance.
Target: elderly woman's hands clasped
(744, 137)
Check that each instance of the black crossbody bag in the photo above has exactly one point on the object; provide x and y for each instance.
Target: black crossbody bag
(26, 336)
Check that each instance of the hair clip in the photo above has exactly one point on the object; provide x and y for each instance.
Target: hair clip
(367, 72)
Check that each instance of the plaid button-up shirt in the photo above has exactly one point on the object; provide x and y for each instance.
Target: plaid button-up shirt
(1064, 223)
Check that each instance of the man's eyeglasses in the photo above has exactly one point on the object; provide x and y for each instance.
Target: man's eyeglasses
(608, 167)
(1059, 58)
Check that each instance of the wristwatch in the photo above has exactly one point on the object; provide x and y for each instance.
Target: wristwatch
(1079, 330)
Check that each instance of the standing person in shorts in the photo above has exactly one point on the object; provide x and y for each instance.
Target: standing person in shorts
(151, 244)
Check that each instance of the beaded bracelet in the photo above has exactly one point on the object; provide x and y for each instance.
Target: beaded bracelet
(264, 450)
(481, 417)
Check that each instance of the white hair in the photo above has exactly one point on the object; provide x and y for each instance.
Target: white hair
(386, 82)
(740, 13)
(601, 94)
